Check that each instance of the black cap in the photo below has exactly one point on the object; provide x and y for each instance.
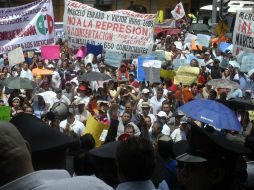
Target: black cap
(40, 136)
(107, 150)
(205, 146)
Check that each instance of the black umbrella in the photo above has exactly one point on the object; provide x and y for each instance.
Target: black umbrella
(199, 27)
(241, 104)
(19, 83)
(94, 76)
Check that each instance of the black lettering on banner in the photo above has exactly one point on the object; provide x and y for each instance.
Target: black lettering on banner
(134, 21)
(108, 45)
(244, 41)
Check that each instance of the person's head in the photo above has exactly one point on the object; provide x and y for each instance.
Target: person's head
(15, 102)
(89, 67)
(165, 147)
(162, 117)
(157, 128)
(68, 86)
(123, 68)
(15, 158)
(226, 72)
(28, 110)
(135, 159)
(70, 118)
(131, 77)
(194, 88)
(82, 67)
(132, 67)
(148, 121)
(206, 56)
(129, 129)
(59, 93)
(145, 108)
(166, 105)
(25, 66)
(126, 117)
(145, 94)
(159, 93)
(87, 142)
(212, 95)
(128, 107)
(216, 63)
(40, 64)
(41, 100)
(194, 63)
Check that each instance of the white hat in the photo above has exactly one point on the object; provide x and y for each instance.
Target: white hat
(162, 114)
(145, 91)
(89, 58)
(50, 66)
(250, 72)
(81, 101)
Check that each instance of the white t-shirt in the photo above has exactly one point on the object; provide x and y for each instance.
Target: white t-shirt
(77, 127)
(156, 104)
(26, 74)
(178, 135)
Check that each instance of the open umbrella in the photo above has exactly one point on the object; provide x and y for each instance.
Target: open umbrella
(223, 83)
(19, 83)
(199, 28)
(212, 113)
(94, 76)
(241, 104)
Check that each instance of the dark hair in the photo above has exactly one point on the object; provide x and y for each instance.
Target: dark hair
(165, 148)
(87, 142)
(129, 126)
(193, 84)
(159, 123)
(136, 159)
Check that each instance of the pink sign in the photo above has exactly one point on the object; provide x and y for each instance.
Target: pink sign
(50, 52)
(81, 52)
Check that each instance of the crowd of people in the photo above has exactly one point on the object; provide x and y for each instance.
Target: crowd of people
(147, 135)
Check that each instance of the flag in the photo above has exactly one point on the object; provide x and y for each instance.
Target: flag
(94, 49)
(178, 11)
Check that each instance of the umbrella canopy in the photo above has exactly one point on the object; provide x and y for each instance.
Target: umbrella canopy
(199, 27)
(19, 83)
(94, 76)
(212, 113)
(241, 104)
(223, 83)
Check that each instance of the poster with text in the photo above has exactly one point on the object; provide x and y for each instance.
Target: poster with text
(243, 39)
(28, 26)
(123, 31)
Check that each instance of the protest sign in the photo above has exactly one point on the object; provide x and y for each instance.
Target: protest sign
(5, 113)
(178, 45)
(81, 52)
(16, 56)
(50, 52)
(122, 31)
(113, 58)
(167, 74)
(152, 70)
(180, 62)
(194, 46)
(243, 32)
(247, 63)
(186, 75)
(95, 128)
(140, 71)
(28, 26)
(203, 40)
(224, 46)
(160, 54)
(189, 37)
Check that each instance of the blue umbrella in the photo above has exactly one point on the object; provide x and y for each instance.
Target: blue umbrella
(212, 113)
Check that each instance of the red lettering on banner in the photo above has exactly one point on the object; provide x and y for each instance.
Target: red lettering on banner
(79, 22)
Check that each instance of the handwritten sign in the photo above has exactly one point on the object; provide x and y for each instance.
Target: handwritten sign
(180, 62)
(247, 63)
(5, 113)
(122, 31)
(152, 70)
(16, 56)
(113, 58)
(203, 40)
(243, 32)
(50, 52)
(186, 75)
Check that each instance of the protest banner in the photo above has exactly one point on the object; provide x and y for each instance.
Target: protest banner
(186, 75)
(120, 31)
(152, 70)
(189, 37)
(194, 46)
(140, 72)
(243, 39)
(203, 40)
(113, 58)
(180, 62)
(5, 113)
(247, 63)
(28, 26)
(160, 54)
(50, 52)
(167, 74)
(95, 128)
(16, 56)
(224, 46)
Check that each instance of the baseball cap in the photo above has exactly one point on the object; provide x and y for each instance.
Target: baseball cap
(145, 105)
(145, 91)
(162, 114)
(82, 88)
(50, 66)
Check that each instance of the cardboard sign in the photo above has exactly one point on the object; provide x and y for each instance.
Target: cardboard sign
(247, 63)
(113, 59)
(95, 128)
(152, 70)
(180, 62)
(203, 40)
(5, 113)
(50, 52)
(186, 75)
(16, 56)
(167, 74)
(140, 70)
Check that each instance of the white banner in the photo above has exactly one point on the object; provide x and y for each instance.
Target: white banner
(243, 39)
(120, 31)
(28, 26)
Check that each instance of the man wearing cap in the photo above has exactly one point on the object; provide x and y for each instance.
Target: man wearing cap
(60, 97)
(80, 111)
(215, 69)
(144, 97)
(26, 72)
(207, 59)
(132, 80)
(181, 132)
(82, 95)
(56, 79)
(69, 91)
(21, 174)
(211, 162)
(145, 111)
(162, 117)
